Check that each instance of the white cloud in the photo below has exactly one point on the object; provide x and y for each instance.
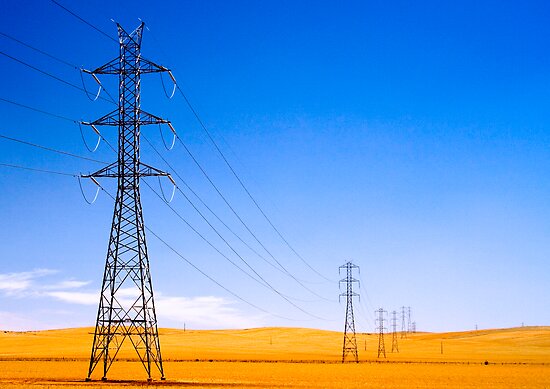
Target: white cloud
(82, 298)
(69, 284)
(203, 312)
(196, 312)
(15, 283)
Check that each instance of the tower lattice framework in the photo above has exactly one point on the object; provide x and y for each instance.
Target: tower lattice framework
(403, 326)
(350, 341)
(126, 307)
(394, 345)
(381, 319)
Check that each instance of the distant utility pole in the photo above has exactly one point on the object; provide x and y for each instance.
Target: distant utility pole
(403, 327)
(381, 329)
(350, 342)
(409, 328)
(414, 327)
(394, 345)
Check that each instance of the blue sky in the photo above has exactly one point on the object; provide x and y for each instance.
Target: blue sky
(409, 137)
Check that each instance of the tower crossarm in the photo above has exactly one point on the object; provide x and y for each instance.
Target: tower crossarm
(113, 67)
(111, 171)
(346, 280)
(113, 119)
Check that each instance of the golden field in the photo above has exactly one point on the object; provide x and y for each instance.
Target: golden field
(288, 357)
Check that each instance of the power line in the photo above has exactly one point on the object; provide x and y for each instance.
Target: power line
(203, 126)
(206, 205)
(51, 149)
(49, 74)
(40, 51)
(71, 65)
(55, 116)
(93, 160)
(84, 21)
(38, 110)
(282, 269)
(186, 197)
(217, 148)
(241, 220)
(265, 282)
(203, 272)
(37, 170)
(263, 246)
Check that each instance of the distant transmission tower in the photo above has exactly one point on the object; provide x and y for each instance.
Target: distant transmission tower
(381, 329)
(126, 306)
(350, 342)
(394, 345)
(414, 327)
(403, 327)
(409, 323)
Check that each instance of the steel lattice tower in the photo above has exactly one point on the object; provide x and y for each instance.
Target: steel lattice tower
(126, 307)
(381, 329)
(350, 342)
(409, 329)
(394, 345)
(403, 327)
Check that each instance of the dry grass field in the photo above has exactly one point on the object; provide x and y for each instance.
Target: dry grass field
(288, 357)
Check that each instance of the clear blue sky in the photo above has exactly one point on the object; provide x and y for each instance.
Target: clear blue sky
(409, 137)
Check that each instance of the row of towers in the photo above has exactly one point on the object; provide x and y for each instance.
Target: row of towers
(350, 341)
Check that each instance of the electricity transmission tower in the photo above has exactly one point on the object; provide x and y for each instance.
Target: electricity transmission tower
(409, 323)
(394, 345)
(126, 307)
(403, 327)
(350, 342)
(381, 329)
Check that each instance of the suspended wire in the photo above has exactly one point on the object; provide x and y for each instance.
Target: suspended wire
(52, 76)
(282, 269)
(55, 116)
(224, 158)
(38, 110)
(203, 126)
(364, 291)
(40, 51)
(242, 221)
(201, 271)
(148, 229)
(74, 86)
(90, 202)
(51, 149)
(37, 170)
(206, 205)
(213, 280)
(263, 282)
(160, 239)
(217, 148)
(84, 21)
(71, 65)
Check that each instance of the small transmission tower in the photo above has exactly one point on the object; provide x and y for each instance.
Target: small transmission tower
(403, 326)
(394, 345)
(350, 342)
(409, 323)
(126, 307)
(381, 329)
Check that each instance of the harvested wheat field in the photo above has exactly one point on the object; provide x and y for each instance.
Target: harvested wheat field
(288, 357)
